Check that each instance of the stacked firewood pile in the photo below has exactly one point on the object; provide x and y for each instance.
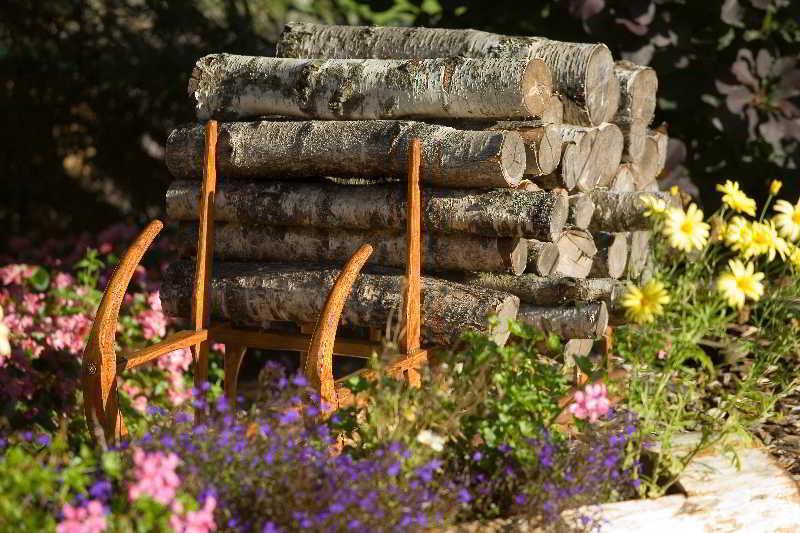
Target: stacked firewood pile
(535, 156)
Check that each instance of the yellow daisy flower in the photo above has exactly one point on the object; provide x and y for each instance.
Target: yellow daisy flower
(655, 207)
(775, 187)
(738, 234)
(765, 241)
(794, 255)
(686, 230)
(739, 283)
(788, 221)
(642, 305)
(736, 199)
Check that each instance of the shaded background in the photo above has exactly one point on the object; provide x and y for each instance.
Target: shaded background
(90, 89)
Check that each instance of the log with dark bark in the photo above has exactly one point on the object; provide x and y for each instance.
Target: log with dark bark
(235, 87)
(358, 149)
(638, 87)
(547, 290)
(235, 242)
(542, 257)
(611, 257)
(580, 321)
(616, 212)
(499, 212)
(576, 252)
(581, 210)
(582, 73)
(251, 294)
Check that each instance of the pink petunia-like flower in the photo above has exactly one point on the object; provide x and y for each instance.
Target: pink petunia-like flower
(62, 280)
(201, 521)
(87, 519)
(153, 322)
(16, 274)
(591, 403)
(138, 400)
(155, 476)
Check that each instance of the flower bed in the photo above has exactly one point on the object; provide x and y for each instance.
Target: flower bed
(484, 437)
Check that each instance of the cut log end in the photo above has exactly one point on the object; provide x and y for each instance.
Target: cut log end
(515, 252)
(537, 87)
(512, 158)
(542, 257)
(611, 257)
(581, 210)
(602, 87)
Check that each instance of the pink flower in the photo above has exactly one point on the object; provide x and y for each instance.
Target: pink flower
(88, 519)
(176, 361)
(153, 322)
(155, 476)
(178, 393)
(16, 274)
(138, 400)
(62, 280)
(592, 402)
(662, 354)
(201, 521)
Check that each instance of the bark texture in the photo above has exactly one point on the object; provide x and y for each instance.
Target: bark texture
(251, 294)
(615, 212)
(357, 149)
(581, 321)
(582, 73)
(611, 257)
(494, 213)
(638, 87)
(235, 242)
(548, 290)
(542, 257)
(581, 210)
(234, 87)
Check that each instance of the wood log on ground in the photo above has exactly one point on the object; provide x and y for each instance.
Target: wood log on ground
(625, 180)
(252, 294)
(494, 213)
(654, 158)
(547, 290)
(582, 73)
(638, 254)
(611, 257)
(576, 250)
(367, 148)
(542, 257)
(235, 87)
(575, 348)
(638, 88)
(581, 210)
(235, 242)
(580, 321)
(543, 144)
(616, 212)
(578, 168)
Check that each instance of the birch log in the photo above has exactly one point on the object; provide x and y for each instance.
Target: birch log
(615, 212)
(581, 321)
(369, 149)
(495, 213)
(234, 87)
(576, 249)
(542, 144)
(553, 110)
(634, 136)
(638, 254)
(542, 257)
(234, 242)
(611, 257)
(581, 210)
(638, 87)
(606, 153)
(582, 73)
(548, 290)
(654, 158)
(625, 180)
(578, 168)
(252, 294)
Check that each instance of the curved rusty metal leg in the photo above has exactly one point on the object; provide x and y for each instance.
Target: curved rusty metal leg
(318, 368)
(99, 372)
(233, 361)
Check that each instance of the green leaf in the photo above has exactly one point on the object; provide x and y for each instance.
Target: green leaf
(40, 279)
